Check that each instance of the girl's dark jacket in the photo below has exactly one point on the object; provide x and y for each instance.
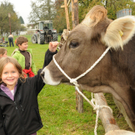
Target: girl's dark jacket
(21, 116)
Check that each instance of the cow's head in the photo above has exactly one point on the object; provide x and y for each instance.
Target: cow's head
(84, 45)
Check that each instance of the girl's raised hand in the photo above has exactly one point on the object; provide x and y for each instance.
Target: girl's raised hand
(53, 46)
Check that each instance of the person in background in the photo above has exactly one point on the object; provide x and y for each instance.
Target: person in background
(10, 39)
(24, 56)
(3, 52)
(19, 113)
(16, 41)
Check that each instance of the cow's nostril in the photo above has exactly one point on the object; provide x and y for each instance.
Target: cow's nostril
(42, 74)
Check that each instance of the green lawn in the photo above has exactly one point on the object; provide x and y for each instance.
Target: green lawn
(57, 105)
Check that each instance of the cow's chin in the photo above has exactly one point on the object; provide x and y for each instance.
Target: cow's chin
(48, 78)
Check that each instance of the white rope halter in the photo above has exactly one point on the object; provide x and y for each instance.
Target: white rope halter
(74, 80)
(93, 102)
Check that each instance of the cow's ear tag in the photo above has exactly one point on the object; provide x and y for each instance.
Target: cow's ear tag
(121, 33)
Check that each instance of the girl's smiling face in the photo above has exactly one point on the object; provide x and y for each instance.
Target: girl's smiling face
(10, 75)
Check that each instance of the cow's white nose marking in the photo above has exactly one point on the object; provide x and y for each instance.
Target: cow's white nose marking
(48, 78)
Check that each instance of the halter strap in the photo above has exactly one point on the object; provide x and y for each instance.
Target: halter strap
(74, 80)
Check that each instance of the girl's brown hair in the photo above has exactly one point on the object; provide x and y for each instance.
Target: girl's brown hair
(6, 60)
(2, 51)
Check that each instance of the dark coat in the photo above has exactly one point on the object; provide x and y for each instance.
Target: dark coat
(21, 116)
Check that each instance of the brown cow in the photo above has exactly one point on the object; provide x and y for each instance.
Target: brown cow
(115, 73)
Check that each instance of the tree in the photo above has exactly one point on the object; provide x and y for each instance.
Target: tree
(5, 8)
(112, 6)
(21, 20)
(48, 10)
(22, 28)
(59, 21)
(42, 10)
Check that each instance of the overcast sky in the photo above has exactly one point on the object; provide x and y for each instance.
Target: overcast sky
(22, 8)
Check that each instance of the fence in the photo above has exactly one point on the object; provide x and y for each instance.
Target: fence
(124, 12)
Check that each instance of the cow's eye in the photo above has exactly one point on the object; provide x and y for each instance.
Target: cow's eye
(73, 44)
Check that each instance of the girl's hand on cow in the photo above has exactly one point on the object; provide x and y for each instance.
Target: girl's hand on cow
(53, 46)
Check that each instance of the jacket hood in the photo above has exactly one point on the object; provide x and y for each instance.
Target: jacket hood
(17, 50)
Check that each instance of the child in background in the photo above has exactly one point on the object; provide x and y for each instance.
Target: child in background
(24, 56)
(19, 114)
(3, 52)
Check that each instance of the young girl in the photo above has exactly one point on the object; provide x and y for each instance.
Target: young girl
(3, 52)
(19, 114)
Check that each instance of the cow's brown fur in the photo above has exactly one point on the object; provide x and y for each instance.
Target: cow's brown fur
(114, 74)
(64, 36)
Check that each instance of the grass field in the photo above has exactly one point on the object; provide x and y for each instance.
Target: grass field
(57, 105)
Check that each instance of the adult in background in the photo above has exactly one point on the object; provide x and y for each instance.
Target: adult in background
(10, 39)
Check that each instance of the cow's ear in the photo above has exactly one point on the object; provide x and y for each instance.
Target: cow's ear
(119, 32)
